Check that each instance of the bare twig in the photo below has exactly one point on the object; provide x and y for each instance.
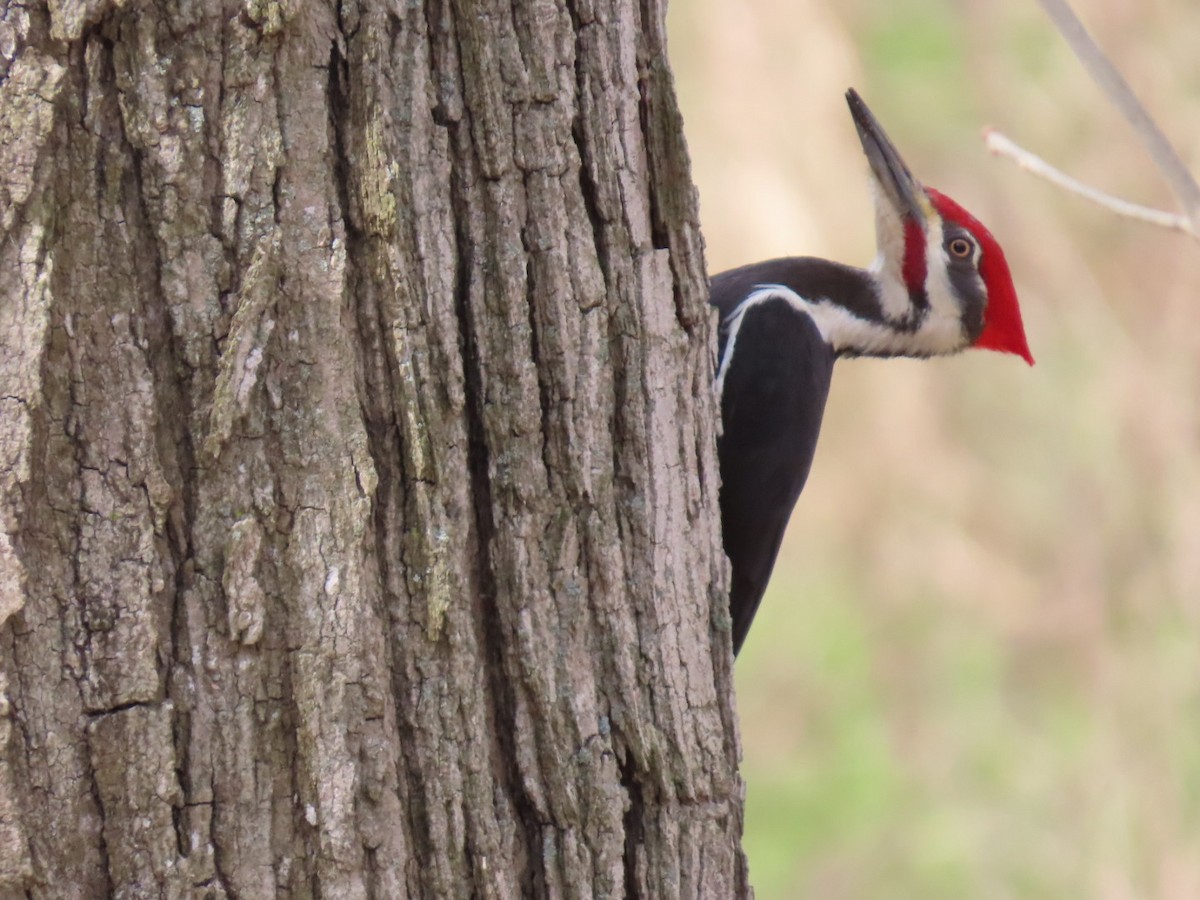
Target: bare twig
(1105, 74)
(1002, 146)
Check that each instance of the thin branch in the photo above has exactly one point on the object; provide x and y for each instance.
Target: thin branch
(1001, 145)
(1105, 74)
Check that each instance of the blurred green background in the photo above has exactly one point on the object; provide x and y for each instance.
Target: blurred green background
(977, 671)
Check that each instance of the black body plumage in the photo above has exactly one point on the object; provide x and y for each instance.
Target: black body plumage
(773, 394)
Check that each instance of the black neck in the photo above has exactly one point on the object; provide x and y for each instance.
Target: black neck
(810, 277)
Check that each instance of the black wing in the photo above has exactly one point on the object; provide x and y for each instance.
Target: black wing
(772, 401)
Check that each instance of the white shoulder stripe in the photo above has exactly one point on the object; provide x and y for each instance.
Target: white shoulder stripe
(761, 294)
(939, 332)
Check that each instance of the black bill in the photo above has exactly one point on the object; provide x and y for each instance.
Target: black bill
(897, 182)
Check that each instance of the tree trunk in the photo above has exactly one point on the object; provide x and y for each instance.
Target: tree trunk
(358, 464)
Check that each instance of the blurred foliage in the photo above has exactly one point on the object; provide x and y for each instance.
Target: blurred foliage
(977, 670)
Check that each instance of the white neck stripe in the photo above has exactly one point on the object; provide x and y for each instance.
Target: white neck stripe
(937, 334)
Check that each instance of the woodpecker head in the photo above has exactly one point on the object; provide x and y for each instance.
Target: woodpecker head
(943, 282)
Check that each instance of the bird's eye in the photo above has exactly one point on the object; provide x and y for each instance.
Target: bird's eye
(961, 248)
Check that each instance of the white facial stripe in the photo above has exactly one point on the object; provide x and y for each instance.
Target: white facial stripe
(937, 278)
(940, 329)
(944, 303)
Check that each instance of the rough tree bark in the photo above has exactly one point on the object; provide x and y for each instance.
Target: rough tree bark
(358, 477)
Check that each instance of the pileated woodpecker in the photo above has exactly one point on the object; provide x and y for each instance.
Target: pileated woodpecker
(939, 284)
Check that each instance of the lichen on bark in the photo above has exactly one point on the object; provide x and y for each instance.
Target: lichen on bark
(359, 477)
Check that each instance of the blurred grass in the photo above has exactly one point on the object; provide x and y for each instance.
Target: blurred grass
(977, 670)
